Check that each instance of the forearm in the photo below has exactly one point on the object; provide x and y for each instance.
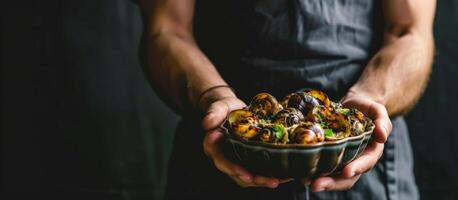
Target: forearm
(179, 71)
(397, 75)
(176, 67)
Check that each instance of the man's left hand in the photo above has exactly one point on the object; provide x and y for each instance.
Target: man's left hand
(370, 156)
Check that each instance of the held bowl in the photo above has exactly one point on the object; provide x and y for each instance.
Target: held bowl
(295, 160)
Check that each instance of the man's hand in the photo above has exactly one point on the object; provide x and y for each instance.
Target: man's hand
(217, 108)
(368, 159)
(392, 81)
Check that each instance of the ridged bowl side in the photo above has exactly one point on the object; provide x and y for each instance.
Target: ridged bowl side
(294, 160)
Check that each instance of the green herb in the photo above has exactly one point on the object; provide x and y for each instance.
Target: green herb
(323, 125)
(279, 130)
(328, 132)
(343, 111)
(320, 118)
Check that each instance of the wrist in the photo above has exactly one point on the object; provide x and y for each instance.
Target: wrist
(196, 87)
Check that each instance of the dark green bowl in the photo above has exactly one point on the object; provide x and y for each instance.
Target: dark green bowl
(295, 160)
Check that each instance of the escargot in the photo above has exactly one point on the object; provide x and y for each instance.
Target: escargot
(274, 133)
(318, 114)
(264, 105)
(335, 124)
(243, 123)
(307, 133)
(357, 121)
(300, 118)
(289, 117)
(301, 101)
(266, 135)
(321, 96)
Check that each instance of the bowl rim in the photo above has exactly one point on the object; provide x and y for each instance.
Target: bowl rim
(229, 136)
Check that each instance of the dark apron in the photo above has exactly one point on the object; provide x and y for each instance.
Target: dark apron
(280, 47)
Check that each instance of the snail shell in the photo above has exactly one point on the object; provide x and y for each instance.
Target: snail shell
(264, 105)
(243, 123)
(301, 101)
(308, 133)
(266, 135)
(321, 96)
(357, 122)
(332, 120)
(318, 114)
(289, 117)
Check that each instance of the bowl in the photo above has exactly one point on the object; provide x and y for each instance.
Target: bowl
(295, 160)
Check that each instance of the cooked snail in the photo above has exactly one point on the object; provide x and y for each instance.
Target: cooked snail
(301, 118)
(243, 123)
(321, 96)
(335, 124)
(301, 101)
(274, 133)
(357, 121)
(289, 116)
(264, 105)
(308, 133)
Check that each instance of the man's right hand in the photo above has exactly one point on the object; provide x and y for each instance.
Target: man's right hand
(218, 105)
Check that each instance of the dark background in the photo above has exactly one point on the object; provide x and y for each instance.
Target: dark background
(79, 120)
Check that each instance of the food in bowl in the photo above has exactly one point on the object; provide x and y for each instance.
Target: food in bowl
(305, 135)
(300, 118)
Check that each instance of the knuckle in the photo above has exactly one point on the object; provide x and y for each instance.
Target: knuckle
(221, 106)
(368, 169)
(218, 165)
(224, 169)
(240, 182)
(348, 187)
(330, 187)
(205, 145)
(365, 169)
(243, 185)
(379, 107)
(206, 152)
(390, 126)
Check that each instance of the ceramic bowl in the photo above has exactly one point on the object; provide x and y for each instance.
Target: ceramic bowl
(295, 160)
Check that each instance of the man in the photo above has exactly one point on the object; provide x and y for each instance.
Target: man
(280, 47)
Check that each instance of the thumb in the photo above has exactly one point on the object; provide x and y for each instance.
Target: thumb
(375, 111)
(218, 111)
(216, 114)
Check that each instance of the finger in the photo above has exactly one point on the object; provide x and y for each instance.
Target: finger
(242, 183)
(382, 129)
(266, 181)
(351, 172)
(286, 180)
(211, 148)
(216, 114)
(218, 111)
(333, 183)
(365, 162)
(382, 122)
(375, 111)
